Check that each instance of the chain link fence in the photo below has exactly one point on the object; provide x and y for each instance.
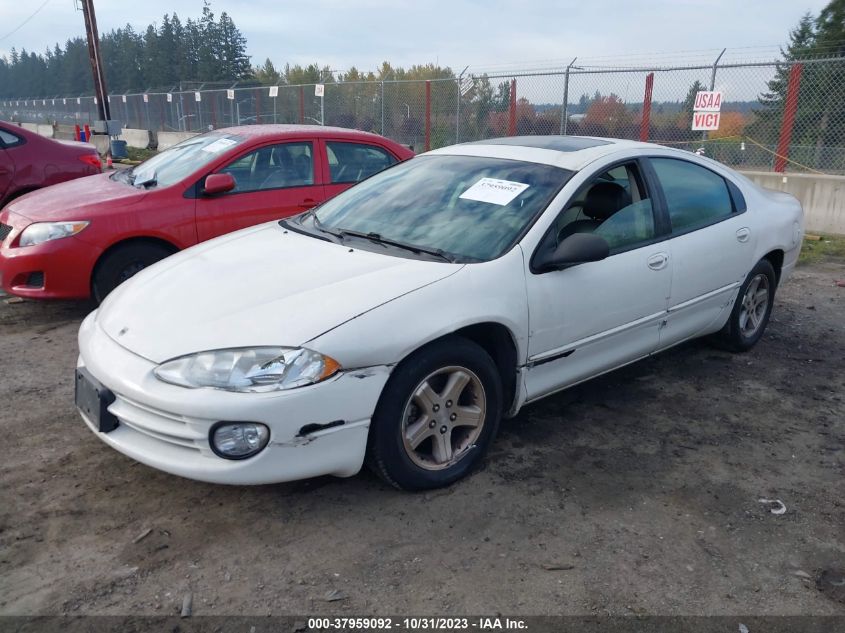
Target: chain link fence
(770, 119)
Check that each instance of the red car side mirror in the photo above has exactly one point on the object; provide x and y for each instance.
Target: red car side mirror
(218, 183)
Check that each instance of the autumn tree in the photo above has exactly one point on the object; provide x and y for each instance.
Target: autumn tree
(608, 116)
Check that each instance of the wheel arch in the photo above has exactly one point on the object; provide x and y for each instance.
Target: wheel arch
(775, 258)
(499, 342)
(139, 239)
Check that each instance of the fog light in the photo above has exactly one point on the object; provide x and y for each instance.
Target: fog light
(239, 440)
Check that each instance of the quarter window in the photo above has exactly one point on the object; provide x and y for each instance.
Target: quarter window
(694, 195)
(353, 162)
(273, 167)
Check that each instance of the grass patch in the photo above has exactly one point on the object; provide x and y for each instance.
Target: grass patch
(136, 153)
(829, 247)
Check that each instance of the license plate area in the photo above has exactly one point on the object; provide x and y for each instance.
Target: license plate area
(93, 400)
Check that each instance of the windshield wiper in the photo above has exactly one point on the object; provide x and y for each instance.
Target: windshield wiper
(378, 239)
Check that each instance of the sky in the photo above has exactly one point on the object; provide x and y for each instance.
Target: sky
(485, 35)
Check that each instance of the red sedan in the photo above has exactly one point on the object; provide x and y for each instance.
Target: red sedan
(29, 161)
(84, 237)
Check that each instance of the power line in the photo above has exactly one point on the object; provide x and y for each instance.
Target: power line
(22, 24)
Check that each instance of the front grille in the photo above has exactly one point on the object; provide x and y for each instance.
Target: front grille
(5, 229)
(160, 425)
(35, 280)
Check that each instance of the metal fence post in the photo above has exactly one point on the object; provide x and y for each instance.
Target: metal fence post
(458, 120)
(713, 83)
(382, 107)
(564, 107)
(790, 107)
(646, 118)
(512, 109)
(427, 114)
(301, 104)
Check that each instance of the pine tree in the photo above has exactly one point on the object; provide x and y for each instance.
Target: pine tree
(208, 45)
(267, 73)
(234, 62)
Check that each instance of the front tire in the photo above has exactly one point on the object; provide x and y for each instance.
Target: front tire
(124, 262)
(751, 311)
(437, 416)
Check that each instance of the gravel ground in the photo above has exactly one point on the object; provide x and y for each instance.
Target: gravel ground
(635, 493)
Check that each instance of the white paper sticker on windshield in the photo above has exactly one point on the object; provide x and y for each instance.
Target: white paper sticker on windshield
(219, 145)
(494, 191)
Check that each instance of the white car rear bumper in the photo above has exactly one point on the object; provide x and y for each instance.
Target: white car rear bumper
(167, 427)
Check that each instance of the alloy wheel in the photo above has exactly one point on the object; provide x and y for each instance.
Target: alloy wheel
(444, 417)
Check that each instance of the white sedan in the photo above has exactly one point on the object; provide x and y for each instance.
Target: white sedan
(401, 320)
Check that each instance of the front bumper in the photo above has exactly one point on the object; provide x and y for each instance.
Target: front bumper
(58, 269)
(167, 427)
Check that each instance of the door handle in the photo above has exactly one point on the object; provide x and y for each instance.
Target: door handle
(308, 203)
(658, 261)
(743, 234)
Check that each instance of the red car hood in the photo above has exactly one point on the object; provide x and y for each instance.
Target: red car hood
(71, 200)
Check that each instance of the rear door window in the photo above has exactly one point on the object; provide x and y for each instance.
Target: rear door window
(695, 196)
(353, 162)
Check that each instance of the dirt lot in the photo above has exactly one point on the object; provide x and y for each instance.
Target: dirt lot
(635, 493)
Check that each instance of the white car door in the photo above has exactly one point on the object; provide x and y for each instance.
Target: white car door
(592, 317)
(712, 247)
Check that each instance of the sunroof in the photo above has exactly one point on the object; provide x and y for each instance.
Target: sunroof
(557, 143)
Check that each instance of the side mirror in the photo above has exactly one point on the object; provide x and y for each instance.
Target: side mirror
(218, 183)
(578, 248)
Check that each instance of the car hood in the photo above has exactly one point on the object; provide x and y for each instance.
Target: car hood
(265, 285)
(78, 199)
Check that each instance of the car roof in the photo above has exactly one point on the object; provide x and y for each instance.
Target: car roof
(296, 130)
(569, 152)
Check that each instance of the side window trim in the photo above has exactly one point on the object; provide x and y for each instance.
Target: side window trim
(738, 204)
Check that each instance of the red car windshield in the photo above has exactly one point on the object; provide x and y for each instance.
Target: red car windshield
(174, 164)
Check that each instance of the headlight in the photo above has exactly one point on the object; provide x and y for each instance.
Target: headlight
(41, 232)
(257, 369)
(239, 440)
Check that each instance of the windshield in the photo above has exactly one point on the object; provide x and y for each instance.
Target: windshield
(470, 207)
(179, 161)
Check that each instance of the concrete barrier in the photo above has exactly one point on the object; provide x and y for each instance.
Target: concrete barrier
(39, 128)
(142, 139)
(822, 196)
(101, 142)
(64, 132)
(169, 139)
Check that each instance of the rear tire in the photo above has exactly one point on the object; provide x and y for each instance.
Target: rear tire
(751, 310)
(122, 263)
(436, 417)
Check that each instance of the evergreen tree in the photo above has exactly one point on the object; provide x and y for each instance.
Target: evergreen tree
(234, 62)
(267, 73)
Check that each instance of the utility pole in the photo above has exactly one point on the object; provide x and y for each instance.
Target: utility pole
(95, 59)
